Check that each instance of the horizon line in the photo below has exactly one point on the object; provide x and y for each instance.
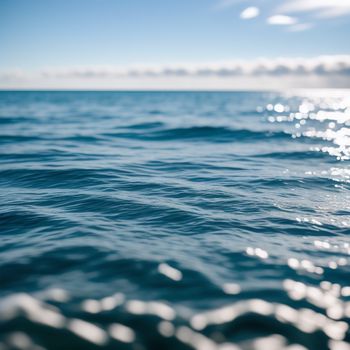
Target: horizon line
(171, 90)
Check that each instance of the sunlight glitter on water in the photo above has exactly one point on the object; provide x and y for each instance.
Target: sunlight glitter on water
(326, 296)
(327, 119)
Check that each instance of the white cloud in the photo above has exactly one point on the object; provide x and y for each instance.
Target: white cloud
(281, 20)
(321, 8)
(322, 71)
(250, 12)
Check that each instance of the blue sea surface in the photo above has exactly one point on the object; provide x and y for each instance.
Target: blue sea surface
(175, 220)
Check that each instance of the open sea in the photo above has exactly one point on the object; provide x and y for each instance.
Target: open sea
(175, 220)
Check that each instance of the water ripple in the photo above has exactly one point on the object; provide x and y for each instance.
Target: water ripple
(174, 220)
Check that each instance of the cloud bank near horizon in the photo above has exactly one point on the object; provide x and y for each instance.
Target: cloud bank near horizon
(322, 71)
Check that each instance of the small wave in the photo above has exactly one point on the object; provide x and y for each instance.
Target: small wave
(297, 155)
(205, 133)
(145, 125)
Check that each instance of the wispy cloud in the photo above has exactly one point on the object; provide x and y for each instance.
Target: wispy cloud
(250, 12)
(320, 8)
(300, 27)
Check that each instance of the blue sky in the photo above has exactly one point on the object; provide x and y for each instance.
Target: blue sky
(49, 34)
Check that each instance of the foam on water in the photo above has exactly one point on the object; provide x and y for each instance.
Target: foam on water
(149, 220)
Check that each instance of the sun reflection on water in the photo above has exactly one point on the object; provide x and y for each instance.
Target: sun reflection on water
(326, 119)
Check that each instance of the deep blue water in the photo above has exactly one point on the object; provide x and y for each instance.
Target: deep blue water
(175, 220)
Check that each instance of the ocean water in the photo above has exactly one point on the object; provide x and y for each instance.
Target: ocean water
(175, 220)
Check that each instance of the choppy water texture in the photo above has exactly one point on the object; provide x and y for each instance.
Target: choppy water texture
(175, 220)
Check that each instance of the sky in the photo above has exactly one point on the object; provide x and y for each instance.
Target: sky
(182, 44)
